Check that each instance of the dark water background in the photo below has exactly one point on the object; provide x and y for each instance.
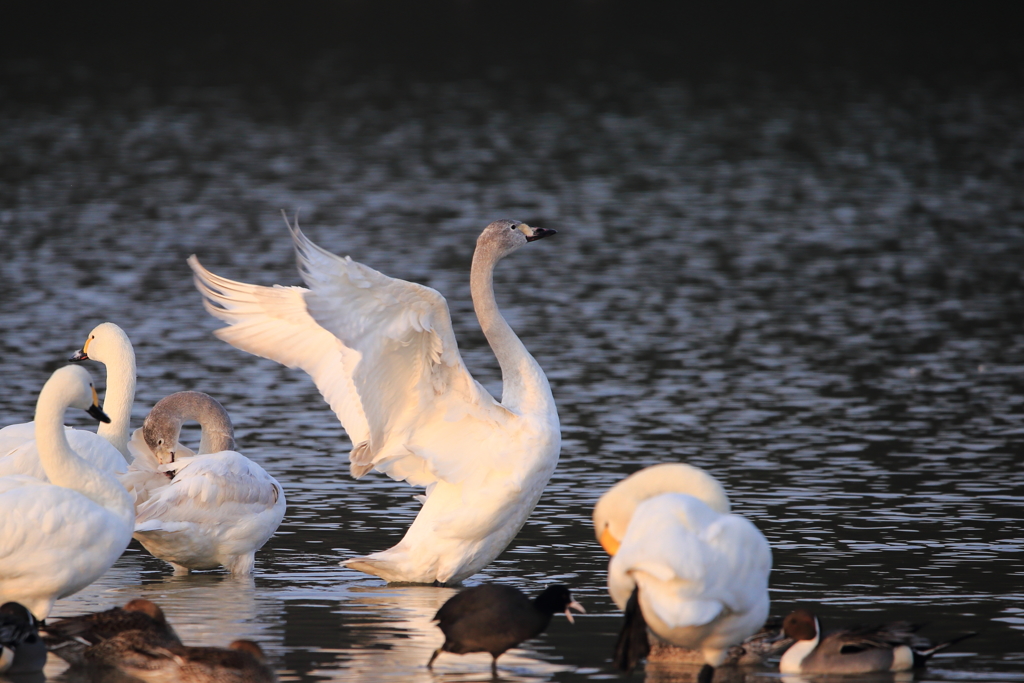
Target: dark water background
(788, 252)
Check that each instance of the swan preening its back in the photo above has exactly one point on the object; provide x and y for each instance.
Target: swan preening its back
(383, 354)
(60, 535)
(681, 564)
(217, 508)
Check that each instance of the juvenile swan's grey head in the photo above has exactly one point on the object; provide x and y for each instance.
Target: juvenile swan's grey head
(162, 426)
(505, 235)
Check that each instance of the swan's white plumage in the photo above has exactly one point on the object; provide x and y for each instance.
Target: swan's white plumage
(218, 510)
(702, 573)
(703, 576)
(57, 538)
(383, 353)
(107, 447)
(381, 350)
(19, 455)
(272, 322)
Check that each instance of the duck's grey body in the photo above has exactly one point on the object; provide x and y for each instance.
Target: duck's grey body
(891, 647)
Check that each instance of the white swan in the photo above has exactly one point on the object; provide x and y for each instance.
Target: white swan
(695, 574)
(217, 508)
(383, 354)
(56, 538)
(107, 344)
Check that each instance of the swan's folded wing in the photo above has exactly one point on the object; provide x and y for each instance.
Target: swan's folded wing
(409, 372)
(211, 488)
(746, 560)
(272, 322)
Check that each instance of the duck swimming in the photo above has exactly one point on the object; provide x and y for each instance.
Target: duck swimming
(891, 647)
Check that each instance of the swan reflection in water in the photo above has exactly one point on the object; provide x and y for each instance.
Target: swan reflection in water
(392, 634)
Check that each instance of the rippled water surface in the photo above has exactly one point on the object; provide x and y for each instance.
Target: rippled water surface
(816, 297)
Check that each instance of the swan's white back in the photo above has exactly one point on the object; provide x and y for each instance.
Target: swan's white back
(23, 457)
(702, 573)
(57, 538)
(703, 576)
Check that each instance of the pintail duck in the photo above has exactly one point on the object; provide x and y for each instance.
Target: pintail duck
(860, 650)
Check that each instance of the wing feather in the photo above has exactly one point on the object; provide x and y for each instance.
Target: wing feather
(381, 350)
(211, 487)
(273, 323)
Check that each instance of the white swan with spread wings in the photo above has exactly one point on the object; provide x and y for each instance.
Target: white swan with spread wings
(383, 354)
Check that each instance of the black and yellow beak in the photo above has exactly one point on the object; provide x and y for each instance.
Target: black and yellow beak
(94, 409)
(534, 234)
(82, 353)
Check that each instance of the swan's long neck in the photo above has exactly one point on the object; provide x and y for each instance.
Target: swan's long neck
(524, 385)
(118, 399)
(64, 468)
(177, 409)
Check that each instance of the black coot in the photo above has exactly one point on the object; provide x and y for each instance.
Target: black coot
(493, 618)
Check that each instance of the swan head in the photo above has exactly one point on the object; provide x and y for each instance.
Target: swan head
(505, 235)
(105, 342)
(615, 508)
(162, 427)
(73, 386)
(161, 435)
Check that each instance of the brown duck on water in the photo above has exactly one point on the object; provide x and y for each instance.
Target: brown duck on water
(242, 661)
(81, 640)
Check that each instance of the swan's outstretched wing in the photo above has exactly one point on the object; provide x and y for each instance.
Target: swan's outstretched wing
(208, 489)
(381, 350)
(272, 322)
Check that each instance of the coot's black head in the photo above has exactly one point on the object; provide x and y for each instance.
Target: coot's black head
(557, 599)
